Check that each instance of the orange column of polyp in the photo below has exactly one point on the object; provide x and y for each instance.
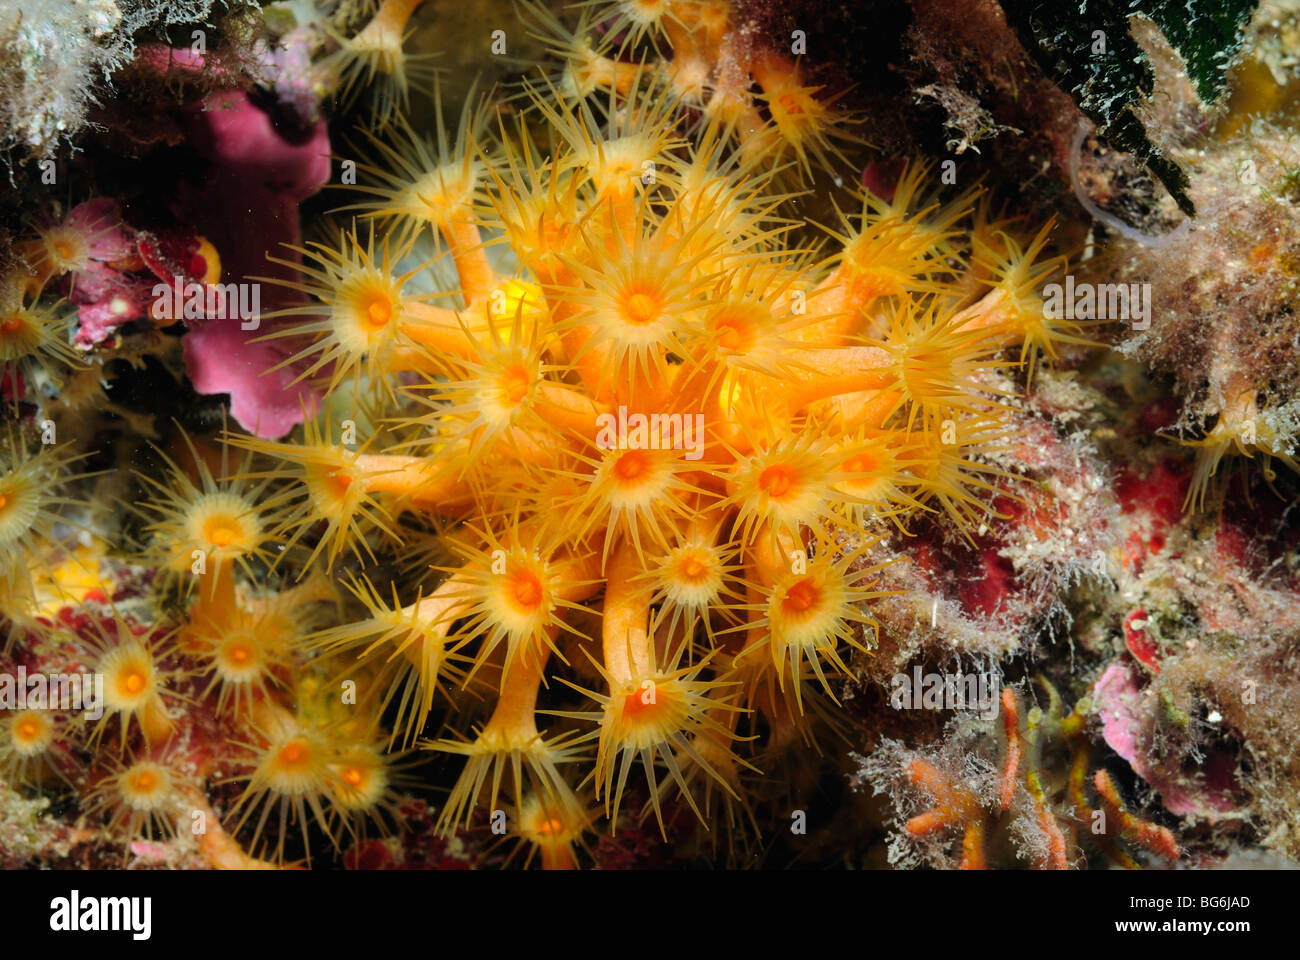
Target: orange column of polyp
(591, 365)
(868, 410)
(833, 372)
(696, 383)
(1239, 401)
(989, 311)
(477, 279)
(557, 857)
(435, 614)
(155, 723)
(567, 409)
(579, 577)
(763, 568)
(451, 600)
(617, 75)
(714, 26)
(514, 719)
(628, 647)
(844, 299)
(677, 27)
(621, 201)
(215, 606)
(422, 479)
(217, 847)
(770, 70)
(850, 315)
(435, 327)
(390, 20)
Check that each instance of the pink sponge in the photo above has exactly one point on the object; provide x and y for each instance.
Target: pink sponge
(247, 208)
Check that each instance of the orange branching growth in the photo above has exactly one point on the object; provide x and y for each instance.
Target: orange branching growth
(973, 856)
(1011, 767)
(1027, 798)
(1159, 840)
(1055, 857)
(1051, 851)
(953, 803)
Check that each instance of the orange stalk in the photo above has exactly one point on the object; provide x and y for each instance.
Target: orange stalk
(514, 718)
(390, 20)
(219, 849)
(831, 372)
(215, 605)
(1055, 858)
(477, 278)
(567, 409)
(972, 848)
(628, 647)
(1157, 839)
(1011, 726)
(434, 327)
(953, 803)
(414, 477)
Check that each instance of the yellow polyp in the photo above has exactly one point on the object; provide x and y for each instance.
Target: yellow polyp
(639, 707)
(733, 338)
(778, 480)
(801, 596)
(220, 535)
(527, 590)
(694, 568)
(379, 311)
(515, 384)
(791, 103)
(145, 781)
(632, 465)
(132, 681)
(293, 754)
(860, 463)
(642, 308)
